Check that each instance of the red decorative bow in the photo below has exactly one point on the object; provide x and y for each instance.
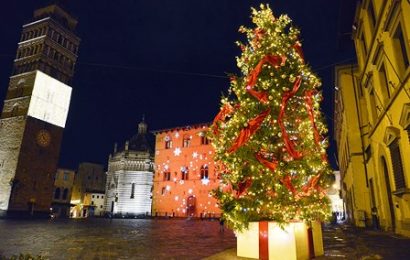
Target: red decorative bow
(271, 165)
(248, 131)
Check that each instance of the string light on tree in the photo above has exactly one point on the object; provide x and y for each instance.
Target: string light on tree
(268, 135)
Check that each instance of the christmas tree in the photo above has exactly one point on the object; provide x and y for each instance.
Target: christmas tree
(268, 135)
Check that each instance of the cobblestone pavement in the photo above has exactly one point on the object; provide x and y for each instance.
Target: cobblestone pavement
(172, 239)
(346, 242)
(119, 239)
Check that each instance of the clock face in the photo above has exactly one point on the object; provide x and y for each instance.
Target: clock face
(43, 138)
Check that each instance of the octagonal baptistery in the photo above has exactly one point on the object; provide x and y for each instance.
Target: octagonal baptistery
(130, 177)
(184, 173)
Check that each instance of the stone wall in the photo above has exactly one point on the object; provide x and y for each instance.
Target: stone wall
(11, 135)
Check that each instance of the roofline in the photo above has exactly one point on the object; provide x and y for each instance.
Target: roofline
(159, 131)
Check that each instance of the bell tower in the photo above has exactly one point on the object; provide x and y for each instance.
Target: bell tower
(35, 112)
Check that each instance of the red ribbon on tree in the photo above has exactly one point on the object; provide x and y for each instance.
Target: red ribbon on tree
(248, 131)
(258, 36)
(312, 183)
(226, 110)
(271, 165)
(243, 186)
(298, 47)
(274, 60)
(309, 105)
(290, 147)
(287, 181)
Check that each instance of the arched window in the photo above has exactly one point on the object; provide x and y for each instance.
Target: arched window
(204, 139)
(186, 142)
(204, 172)
(15, 110)
(184, 173)
(57, 194)
(168, 142)
(65, 194)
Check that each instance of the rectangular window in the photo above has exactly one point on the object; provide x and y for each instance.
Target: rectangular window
(204, 140)
(397, 164)
(373, 106)
(384, 83)
(65, 176)
(132, 190)
(167, 176)
(363, 42)
(371, 13)
(168, 144)
(399, 44)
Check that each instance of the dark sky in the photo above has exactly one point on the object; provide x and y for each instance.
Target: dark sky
(164, 59)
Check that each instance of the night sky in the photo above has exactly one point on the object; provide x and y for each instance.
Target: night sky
(165, 59)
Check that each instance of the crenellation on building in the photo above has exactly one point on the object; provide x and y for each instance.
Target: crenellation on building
(33, 118)
(185, 173)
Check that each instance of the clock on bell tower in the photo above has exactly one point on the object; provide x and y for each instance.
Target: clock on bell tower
(35, 112)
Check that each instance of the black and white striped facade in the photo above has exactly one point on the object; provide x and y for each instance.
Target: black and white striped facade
(130, 178)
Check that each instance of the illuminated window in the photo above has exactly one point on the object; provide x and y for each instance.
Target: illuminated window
(132, 190)
(204, 172)
(186, 141)
(184, 173)
(399, 44)
(167, 176)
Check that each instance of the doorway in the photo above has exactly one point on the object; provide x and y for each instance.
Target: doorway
(388, 192)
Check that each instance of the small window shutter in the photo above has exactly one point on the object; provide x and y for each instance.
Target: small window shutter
(397, 165)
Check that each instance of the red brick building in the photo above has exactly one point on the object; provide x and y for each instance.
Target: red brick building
(184, 173)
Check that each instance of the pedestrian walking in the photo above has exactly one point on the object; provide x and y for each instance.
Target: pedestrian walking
(221, 224)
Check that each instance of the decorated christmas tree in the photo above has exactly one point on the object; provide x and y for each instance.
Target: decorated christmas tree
(269, 133)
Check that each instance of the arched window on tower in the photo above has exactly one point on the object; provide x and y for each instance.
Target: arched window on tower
(204, 172)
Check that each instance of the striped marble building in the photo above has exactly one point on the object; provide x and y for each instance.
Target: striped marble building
(130, 177)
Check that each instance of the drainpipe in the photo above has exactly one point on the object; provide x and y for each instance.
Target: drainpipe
(360, 121)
